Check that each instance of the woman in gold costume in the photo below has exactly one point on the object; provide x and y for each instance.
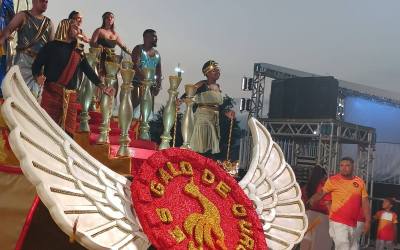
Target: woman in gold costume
(107, 38)
(206, 133)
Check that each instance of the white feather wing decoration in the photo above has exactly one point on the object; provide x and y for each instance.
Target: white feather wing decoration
(73, 185)
(271, 184)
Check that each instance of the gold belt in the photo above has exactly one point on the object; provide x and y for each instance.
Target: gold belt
(209, 106)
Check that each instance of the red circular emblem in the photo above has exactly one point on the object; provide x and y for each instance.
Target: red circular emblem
(187, 201)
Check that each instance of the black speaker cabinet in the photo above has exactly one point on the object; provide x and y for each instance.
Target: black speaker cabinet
(304, 98)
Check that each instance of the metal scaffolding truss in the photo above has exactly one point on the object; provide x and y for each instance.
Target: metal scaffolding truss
(257, 93)
(309, 142)
(328, 135)
(330, 129)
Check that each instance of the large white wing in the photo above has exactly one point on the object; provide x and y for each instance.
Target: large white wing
(73, 185)
(271, 184)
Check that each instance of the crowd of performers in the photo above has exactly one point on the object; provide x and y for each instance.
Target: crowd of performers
(51, 60)
(339, 211)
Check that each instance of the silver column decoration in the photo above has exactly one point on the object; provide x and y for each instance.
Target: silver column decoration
(188, 119)
(106, 102)
(170, 111)
(146, 103)
(125, 112)
(88, 89)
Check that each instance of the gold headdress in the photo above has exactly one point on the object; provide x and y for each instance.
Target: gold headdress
(62, 33)
(209, 65)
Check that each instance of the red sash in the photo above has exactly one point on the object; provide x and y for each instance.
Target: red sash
(62, 108)
(69, 69)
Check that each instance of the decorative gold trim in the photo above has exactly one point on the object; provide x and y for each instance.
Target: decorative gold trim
(81, 212)
(61, 191)
(212, 65)
(66, 96)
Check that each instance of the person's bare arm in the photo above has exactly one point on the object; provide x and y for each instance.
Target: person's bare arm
(95, 36)
(316, 197)
(121, 44)
(136, 61)
(85, 38)
(15, 24)
(52, 31)
(159, 74)
(328, 205)
(375, 217)
(39, 64)
(367, 213)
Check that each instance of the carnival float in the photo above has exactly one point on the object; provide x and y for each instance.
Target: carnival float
(177, 199)
(108, 186)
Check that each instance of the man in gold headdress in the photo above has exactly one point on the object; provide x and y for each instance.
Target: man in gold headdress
(206, 133)
(77, 17)
(34, 31)
(61, 60)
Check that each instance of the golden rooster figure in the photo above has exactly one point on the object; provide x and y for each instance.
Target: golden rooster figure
(203, 224)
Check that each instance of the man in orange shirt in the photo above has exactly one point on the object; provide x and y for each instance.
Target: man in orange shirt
(387, 228)
(348, 197)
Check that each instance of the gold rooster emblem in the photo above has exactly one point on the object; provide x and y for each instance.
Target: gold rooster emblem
(203, 226)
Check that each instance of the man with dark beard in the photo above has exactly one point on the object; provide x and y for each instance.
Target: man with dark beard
(61, 60)
(146, 56)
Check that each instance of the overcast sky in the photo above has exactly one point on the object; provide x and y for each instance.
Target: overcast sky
(355, 40)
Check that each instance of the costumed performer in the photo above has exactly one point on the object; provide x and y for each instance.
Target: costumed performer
(61, 60)
(34, 31)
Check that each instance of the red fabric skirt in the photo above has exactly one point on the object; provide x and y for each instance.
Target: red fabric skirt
(52, 102)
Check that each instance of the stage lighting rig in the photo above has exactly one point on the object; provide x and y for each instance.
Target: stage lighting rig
(245, 104)
(340, 108)
(247, 84)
